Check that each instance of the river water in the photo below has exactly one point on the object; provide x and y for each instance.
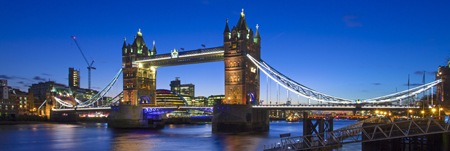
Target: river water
(98, 137)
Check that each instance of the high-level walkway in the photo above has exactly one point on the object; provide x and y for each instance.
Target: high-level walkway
(356, 133)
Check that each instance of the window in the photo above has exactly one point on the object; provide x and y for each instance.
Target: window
(6, 107)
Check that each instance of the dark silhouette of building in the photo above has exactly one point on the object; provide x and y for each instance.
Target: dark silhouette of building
(74, 78)
(184, 90)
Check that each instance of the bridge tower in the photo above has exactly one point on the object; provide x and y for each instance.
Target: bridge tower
(241, 75)
(139, 80)
(443, 88)
(235, 112)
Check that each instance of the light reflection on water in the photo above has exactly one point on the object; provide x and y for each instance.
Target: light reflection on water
(97, 137)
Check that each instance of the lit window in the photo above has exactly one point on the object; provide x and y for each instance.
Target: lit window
(6, 107)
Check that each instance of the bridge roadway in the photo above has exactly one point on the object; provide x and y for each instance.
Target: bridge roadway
(264, 107)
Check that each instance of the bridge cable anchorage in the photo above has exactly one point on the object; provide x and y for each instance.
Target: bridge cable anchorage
(42, 104)
(306, 92)
(114, 100)
(102, 93)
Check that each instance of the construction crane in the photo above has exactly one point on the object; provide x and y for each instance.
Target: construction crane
(89, 65)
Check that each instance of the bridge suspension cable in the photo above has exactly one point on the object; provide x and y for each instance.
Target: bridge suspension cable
(95, 98)
(308, 93)
(102, 93)
(294, 86)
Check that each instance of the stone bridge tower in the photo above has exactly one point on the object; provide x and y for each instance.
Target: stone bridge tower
(241, 75)
(443, 88)
(235, 112)
(139, 80)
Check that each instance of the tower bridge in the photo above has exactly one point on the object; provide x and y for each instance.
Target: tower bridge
(241, 109)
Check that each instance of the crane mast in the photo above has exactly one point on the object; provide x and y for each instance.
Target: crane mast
(89, 65)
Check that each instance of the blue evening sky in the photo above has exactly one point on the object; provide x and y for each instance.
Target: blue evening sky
(348, 49)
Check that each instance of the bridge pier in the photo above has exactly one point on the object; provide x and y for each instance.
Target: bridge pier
(130, 116)
(234, 118)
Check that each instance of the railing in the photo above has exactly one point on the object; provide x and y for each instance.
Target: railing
(353, 133)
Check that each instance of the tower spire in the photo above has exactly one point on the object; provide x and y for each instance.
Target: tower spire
(124, 42)
(139, 32)
(257, 31)
(227, 30)
(242, 24)
(154, 48)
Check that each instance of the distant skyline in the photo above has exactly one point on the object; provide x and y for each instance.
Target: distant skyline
(348, 49)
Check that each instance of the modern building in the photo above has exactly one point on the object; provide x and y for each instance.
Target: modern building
(184, 90)
(215, 99)
(167, 98)
(74, 78)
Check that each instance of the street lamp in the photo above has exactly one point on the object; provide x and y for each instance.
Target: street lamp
(434, 110)
(423, 114)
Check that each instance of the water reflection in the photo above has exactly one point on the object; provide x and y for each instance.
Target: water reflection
(98, 137)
